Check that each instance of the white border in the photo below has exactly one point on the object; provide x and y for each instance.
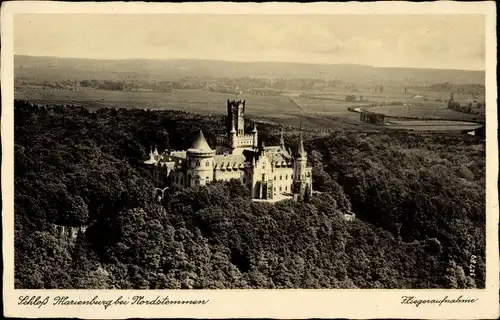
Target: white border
(343, 303)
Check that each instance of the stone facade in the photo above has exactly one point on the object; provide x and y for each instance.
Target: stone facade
(269, 172)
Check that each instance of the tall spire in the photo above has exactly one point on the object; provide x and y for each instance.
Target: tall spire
(282, 140)
(301, 152)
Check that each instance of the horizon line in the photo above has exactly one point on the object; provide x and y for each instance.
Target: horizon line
(254, 61)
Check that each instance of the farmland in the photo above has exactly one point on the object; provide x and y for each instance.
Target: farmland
(320, 110)
(312, 103)
(276, 109)
(427, 111)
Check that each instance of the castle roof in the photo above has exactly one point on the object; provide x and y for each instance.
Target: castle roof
(280, 159)
(231, 161)
(200, 144)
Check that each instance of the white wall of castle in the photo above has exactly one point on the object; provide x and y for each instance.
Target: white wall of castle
(282, 180)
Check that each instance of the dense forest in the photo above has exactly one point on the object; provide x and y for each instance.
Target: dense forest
(419, 201)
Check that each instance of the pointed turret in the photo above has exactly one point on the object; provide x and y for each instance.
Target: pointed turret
(301, 174)
(200, 144)
(301, 152)
(200, 162)
(254, 130)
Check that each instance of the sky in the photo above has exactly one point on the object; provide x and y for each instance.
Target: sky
(421, 41)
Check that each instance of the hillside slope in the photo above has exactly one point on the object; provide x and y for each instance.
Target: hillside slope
(52, 68)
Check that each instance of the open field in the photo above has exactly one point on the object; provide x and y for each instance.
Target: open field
(276, 109)
(427, 111)
(319, 110)
(433, 125)
(294, 102)
(200, 101)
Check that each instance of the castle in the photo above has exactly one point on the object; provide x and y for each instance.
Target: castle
(270, 173)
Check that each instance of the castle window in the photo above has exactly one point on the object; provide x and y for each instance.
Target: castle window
(286, 188)
(197, 163)
(263, 177)
(274, 177)
(291, 176)
(286, 177)
(280, 188)
(274, 188)
(207, 163)
(281, 177)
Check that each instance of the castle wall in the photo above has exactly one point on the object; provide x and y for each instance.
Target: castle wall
(282, 180)
(245, 141)
(178, 180)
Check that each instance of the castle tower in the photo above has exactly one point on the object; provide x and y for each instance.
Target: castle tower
(235, 116)
(200, 162)
(300, 178)
(256, 185)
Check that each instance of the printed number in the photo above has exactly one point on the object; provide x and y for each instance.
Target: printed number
(472, 266)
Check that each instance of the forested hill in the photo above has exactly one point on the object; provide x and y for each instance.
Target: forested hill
(419, 199)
